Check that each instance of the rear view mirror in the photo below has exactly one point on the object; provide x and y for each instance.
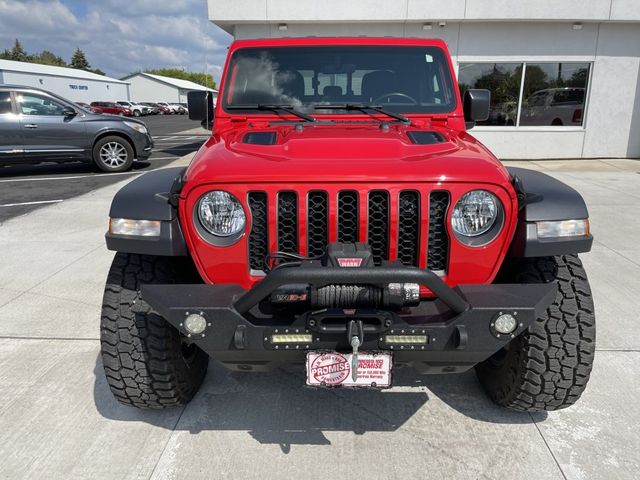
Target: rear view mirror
(201, 107)
(476, 106)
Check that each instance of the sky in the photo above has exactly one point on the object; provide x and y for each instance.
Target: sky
(118, 36)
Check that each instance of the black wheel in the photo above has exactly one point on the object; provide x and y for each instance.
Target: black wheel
(548, 366)
(147, 362)
(113, 154)
(136, 113)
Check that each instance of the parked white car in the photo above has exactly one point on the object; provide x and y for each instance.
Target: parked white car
(179, 108)
(136, 108)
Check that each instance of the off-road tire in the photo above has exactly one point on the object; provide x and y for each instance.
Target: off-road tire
(546, 367)
(146, 361)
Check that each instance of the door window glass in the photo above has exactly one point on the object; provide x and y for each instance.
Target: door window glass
(33, 104)
(5, 102)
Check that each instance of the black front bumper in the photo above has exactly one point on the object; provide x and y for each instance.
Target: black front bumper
(457, 324)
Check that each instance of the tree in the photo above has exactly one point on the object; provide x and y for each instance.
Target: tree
(98, 71)
(49, 58)
(204, 79)
(18, 53)
(79, 61)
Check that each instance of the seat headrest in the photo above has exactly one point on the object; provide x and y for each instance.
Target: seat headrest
(291, 83)
(332, 91)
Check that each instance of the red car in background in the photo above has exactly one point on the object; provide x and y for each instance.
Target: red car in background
(86, 106)
(112, 108)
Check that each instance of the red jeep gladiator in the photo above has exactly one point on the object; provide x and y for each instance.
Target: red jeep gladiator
(342, 219)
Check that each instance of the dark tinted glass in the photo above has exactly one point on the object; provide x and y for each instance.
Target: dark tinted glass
(5, 102)
(401, 79)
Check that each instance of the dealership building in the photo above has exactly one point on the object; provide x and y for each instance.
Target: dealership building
(76, 85)
(564, 75)
(147, 87)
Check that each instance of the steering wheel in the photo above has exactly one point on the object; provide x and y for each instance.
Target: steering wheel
(395, 94)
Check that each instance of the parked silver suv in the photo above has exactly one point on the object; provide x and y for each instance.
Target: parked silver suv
(38, 126)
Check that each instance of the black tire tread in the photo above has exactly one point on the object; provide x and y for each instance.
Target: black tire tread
(548, 366)
(142, 352)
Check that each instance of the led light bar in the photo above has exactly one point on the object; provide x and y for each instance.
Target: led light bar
(138, 228)
(563, 228)
(292, 338)
(406, 339)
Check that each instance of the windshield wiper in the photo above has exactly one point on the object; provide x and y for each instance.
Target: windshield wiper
(263, 106)
(363, 107)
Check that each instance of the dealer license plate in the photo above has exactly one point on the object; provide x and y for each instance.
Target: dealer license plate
(332, 369)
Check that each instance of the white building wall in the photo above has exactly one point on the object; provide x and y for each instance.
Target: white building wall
(228, 14)
(613, 120)
(74, 89)
(612, 114)
(145, 89)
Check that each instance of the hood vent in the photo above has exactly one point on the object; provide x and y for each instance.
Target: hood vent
(425, 138)
(260, 138)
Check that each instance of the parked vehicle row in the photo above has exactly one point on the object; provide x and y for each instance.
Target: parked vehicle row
(132, 109)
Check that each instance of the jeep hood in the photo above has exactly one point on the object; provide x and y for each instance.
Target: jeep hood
(344, 153)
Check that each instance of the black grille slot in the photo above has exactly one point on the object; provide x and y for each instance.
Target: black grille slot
(259, 235)
(317, 223)
(438, 246)
(409, 227)
(378, 229)
(348, 216)
(288, 222)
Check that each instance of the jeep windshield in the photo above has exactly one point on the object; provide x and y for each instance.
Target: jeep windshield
(396, 79)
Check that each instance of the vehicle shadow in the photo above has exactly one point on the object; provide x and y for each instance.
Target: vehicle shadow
(276, 407)
(61, 169)
(179, 149)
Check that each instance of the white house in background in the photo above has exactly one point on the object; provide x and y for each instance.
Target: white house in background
(525, 49)
(76, 85)
(146, 87)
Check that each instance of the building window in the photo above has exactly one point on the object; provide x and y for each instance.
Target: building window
(530, 94)
(503, 80)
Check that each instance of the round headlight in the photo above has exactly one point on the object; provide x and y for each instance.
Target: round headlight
(221, 214)
(475, 213)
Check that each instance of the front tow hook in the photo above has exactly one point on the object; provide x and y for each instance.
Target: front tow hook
(355, 334)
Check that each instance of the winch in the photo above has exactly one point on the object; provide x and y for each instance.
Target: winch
(392, 296)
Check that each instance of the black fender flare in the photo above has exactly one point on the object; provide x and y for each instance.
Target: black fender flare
(152, 196)
(544, 198)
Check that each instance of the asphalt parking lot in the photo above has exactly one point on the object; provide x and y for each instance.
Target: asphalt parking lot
(58, 419)
(24, 188)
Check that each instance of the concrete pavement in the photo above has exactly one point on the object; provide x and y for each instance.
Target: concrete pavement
(58, 419)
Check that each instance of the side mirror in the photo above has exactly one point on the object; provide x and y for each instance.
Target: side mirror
(201, 107)
(476, 106)
(69, 112)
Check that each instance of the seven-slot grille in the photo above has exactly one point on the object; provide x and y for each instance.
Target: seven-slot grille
(383, 214)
